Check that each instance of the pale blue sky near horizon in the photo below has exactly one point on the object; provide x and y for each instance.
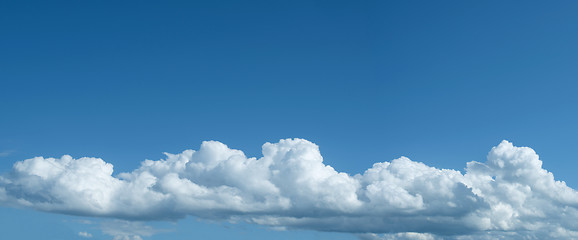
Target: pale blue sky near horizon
(440, 82)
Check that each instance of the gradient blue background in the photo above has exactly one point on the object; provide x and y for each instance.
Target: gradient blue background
(368, 81)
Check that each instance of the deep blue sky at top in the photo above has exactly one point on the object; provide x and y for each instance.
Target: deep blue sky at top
(438, 81)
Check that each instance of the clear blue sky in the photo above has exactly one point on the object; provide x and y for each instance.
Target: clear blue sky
(440, 82)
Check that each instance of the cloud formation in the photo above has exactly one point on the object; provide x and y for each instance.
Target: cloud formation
(85, 234)
(509, 195)
(128, 230)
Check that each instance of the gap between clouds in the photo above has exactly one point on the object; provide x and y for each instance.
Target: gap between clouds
(290, 187)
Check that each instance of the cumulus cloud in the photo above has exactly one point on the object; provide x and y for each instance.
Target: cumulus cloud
(509, 195)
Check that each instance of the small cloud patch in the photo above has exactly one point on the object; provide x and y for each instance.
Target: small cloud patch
(85, 234)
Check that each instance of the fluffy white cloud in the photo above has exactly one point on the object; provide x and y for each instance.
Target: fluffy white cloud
(509, 195)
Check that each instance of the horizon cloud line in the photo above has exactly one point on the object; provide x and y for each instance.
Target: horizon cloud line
(290, 187)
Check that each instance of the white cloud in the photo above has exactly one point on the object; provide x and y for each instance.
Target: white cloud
(127, 237)
(290, 187)
(127, 230)
(398, 236)
(85, 234)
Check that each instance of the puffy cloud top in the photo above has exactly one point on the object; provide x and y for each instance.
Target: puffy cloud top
(290, 187)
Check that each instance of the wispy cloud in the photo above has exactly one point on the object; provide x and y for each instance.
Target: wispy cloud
(290, 187)
(6, 153)
(85, 234)
(128, 230)
(397, 236)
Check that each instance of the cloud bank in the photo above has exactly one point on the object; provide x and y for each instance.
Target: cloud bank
(508, 196)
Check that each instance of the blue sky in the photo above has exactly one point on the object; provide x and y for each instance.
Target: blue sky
(440, 82)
